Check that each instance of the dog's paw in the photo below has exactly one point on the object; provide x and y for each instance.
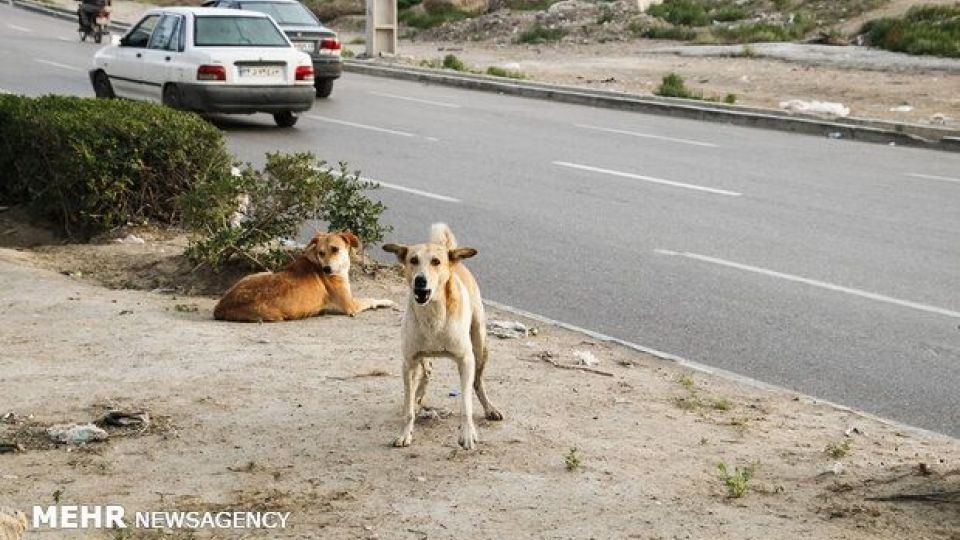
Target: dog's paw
(494, 415)
(383, 303)
(468, 438)
(403, 440)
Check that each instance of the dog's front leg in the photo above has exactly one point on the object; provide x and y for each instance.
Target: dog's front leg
(362, 304)
(411, 375)
(468, 431)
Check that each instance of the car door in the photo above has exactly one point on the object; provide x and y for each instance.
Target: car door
(162, 55)
(126, 71)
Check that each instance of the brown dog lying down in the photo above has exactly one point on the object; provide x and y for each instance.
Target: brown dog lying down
(317, 280)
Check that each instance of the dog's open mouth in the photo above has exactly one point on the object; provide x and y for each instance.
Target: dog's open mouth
(421, 295)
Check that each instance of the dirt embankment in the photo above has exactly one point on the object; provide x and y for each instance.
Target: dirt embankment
(298, 417)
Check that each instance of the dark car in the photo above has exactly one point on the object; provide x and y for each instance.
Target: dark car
(305, 31)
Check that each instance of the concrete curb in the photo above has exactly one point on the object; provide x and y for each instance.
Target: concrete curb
(849, 128)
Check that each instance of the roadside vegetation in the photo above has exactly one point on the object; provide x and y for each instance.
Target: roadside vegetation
(736, 481)
(674, 86)
(927, 30)
(94, 166)
(455, 63)
(538, 33)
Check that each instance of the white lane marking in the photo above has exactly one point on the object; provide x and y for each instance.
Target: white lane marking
(20, 28)
(61, 38)
(647, 178)
(816, 283)
(647, 135)
(405, 189)
(57, 64)
(360, 126)
(417, 100)
(933, 177)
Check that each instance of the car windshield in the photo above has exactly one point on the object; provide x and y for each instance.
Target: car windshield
(226, 31)
(284, 13)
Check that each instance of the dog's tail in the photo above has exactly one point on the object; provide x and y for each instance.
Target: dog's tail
(441, 234)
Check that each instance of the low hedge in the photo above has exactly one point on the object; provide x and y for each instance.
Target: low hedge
(932, 30)
(92, 165)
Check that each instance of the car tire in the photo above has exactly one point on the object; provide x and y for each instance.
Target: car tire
(285, 119)
(171, 96)
(102, 87)
(324, 88)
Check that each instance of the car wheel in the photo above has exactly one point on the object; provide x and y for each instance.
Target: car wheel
(285, 119)
(102, 87)
(171, 96)
(324, 88)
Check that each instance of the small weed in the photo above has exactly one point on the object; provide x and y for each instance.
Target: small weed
(57, 495)
(747, 51)
(452, 61)
(673, 86)
(685, 381)
(736, 482)
(721, 404)
(688, 403)
(573, 460)
(838, 449)
(432, 63)
(496, 71)
(347, 53)
(186, 308)
(730, 99)
(541, 34)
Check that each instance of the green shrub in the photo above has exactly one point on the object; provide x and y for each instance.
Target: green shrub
(730, 99)
(801, 25)
(541, 34)
(737, 481)
(452, 61)
(431, 19)
(673, 86)
(679, 33)
(681, 12)
(93, 165)
(497, 71)
(290, 190)
(932, 30)
(729, 14)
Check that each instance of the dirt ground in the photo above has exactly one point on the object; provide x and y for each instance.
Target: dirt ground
(298, 417)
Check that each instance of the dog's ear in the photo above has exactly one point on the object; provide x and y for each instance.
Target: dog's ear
(457, 254)
(351, 239)
(398, 250)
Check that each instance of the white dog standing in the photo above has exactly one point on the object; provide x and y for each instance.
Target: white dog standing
(444, 317)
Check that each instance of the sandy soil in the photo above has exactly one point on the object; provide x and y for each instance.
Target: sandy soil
(298, 417)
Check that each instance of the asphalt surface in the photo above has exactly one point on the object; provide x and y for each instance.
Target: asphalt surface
(826, 266)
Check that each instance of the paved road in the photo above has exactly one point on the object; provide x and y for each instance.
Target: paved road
(830, 267)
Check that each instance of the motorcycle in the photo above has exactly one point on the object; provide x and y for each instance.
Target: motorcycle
(96, 17)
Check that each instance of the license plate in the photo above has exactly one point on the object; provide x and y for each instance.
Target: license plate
(259, 72)
(305, 46)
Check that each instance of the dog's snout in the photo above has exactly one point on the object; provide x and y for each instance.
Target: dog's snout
(420, 282)
(327, 269)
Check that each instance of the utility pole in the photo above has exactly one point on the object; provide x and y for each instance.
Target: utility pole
(381, 28)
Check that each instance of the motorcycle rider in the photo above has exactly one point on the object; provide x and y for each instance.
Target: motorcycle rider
(88, 12)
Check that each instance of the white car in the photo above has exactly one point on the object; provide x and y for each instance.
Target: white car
(208, 60)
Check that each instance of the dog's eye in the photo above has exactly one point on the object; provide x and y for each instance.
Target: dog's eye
(414, 260)
(320, 253)
(334, 249)
(435, 261)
